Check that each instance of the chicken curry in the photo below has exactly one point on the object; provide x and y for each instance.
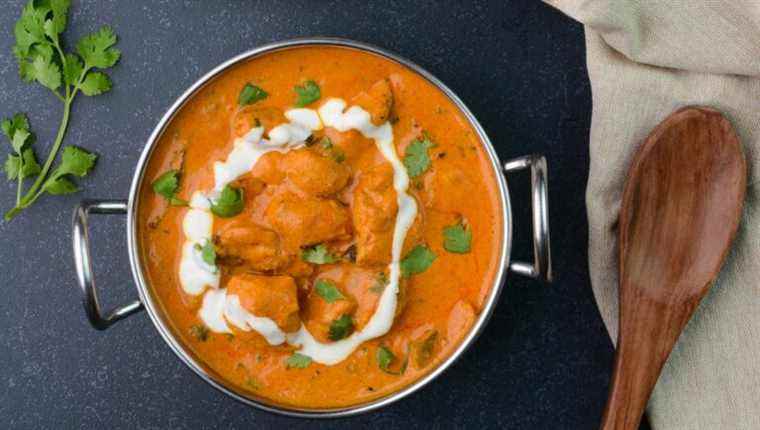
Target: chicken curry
(320, 226)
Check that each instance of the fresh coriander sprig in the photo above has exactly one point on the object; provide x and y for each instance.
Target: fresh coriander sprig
(42, 59)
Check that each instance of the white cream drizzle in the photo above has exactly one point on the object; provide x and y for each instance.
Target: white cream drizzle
(218, 308)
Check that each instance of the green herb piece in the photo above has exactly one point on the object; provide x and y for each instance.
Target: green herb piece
(167, 186)
(335, 153)
(416, 157)
(380, 283)
(42, 59)
(341, 327)
(318, 255)
(328, 291)
(417, 261)
(307, 93)
(385, 358)
(229, 203)
(74, 162)
(208, 252)
(298, 361)
(250, 94)
(457, 238)
(425, 348)
(200, 332)
(253, 383)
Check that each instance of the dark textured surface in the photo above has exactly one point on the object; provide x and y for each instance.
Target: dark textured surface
(542, 363)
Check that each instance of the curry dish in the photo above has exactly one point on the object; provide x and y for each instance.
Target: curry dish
(320, 226)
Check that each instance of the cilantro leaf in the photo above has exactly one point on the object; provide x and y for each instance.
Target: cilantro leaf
(44, 71)
(57, 24)
(20, 139)
(167, 184)
(208, 252)
(200, 332)
(341, 327)
(307, 93)
(298, 361)
(318, 254)
(10, 125)
(30, 29)
(457, 238)
(59, 185)
(385, 358)
(250, 94)
(96, 49)
(424, 349)
(75, 161)
(26, 165)
(328, 291)
(380, 283)
(95, 83)
(229, 203)
(73, 69)
(416, 159)
(12, 167)
(417, 261)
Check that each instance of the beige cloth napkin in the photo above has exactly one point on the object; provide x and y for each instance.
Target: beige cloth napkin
(647, 58)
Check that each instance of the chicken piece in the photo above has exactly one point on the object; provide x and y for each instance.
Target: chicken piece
(373, 212)
(252, 116)
(273, 297)
(320, 314)
(364, 287)
(353, 145)
(304, 221)
(315, 174)
(243, 243)
(268, 169)
(378, 101)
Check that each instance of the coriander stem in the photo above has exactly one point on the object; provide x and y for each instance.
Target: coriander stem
(20, 181)
(32, 194)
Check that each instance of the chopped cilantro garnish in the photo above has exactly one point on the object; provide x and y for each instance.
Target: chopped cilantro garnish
(417, 261)
(208, 252)
(167, 186)
(229, 203)
(200, 332)
(250, 94)
(298, 361)
(425, 349)
(318, 255)
(457, 238)
(307, 93)
(385, 358)
(380, 283)
(41, 58)
(416, 157)
(328, 291)
(341, 327)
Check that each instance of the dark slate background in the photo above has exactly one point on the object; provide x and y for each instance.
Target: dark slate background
(544, 359)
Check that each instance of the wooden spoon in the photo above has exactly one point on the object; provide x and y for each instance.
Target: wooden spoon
(681, 208)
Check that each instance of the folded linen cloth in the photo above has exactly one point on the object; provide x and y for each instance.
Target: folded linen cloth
(647, 58)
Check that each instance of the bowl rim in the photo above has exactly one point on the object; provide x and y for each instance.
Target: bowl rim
(153, 307)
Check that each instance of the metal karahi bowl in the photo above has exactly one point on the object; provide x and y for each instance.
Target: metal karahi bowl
(540, 268)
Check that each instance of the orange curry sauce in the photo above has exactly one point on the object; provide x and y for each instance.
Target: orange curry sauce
(439, 305)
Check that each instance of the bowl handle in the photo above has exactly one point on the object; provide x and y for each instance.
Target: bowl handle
(81, 242)
(541, 268)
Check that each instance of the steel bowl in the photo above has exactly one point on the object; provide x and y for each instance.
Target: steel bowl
(539, 269)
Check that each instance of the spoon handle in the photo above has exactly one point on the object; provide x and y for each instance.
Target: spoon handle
(645, 341)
